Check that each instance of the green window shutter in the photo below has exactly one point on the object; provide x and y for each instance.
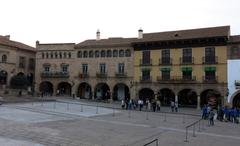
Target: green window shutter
(210, 69)
(187, 69)
(165, 69)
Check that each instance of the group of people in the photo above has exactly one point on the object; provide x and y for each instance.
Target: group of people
(150, 105)
(223, 114)
(174, 106)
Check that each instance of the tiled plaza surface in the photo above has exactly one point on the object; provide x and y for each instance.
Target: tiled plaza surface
(74, 123)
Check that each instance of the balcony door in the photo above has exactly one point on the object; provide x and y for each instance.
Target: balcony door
(146, 57)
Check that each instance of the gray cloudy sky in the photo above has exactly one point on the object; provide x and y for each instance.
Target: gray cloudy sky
(62, 21)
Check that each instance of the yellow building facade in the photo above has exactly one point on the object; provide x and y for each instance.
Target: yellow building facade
(186, 66)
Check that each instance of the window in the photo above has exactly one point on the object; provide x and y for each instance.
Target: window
(146, 74)
(51, 55)
(79, 54)
(31, 64)
(85, 54)
(121, 68)
(187, 75)
(146, 57)
(121, 53)
(4, 58)
(210, 75)
(109, 53)
(210, 55)
(43, 55)
(115, 53)
(165, 74)
(69, 55)
(187, 55)
(84, 68)
(128, 53)
(96, 54)
(46, 68)
(60, 54)
(47, 55)
(103, 53)
(22, 62)
(103, 68)
(90, 54)
(166, 57)
(56, 55)
(64, 55)
(65, 68)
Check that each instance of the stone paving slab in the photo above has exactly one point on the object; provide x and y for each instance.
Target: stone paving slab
(124, 128)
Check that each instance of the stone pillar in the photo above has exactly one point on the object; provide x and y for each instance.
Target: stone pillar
(198, 102)
(176, 98)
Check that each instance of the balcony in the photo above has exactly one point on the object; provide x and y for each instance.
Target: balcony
(187, 60)
(210, 79)
(83, 75)
(120, 75)
(55, 75)
(177, 79)
(101, 75)
(210, 60)
(145, 62)
(145, 79)
(165, 61)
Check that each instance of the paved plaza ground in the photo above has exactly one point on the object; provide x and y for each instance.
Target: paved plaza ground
(82, 123)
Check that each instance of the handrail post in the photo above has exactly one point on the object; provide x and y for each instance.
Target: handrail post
(113, 111)
(129, 113)
(186, 138)
(199, 122)
(67, 106)
(183, 121)
(156, 142)
(194, 135)
(54, 106)
(97, 109)
(81, 107)
(165, 117)
(147, 118)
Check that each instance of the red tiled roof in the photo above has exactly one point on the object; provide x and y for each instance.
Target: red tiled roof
(106, 42)
(6, 42)
(187, 34)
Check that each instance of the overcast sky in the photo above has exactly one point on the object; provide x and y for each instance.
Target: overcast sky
(66, 21)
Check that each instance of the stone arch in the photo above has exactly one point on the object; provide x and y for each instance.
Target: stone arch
(3, 77)
(102, 91)
(121, 92)
(84, 90)
(46, 88)
(187, 97)
(210, 97)
(166, 95)
(146, 93)
(64, 88)
(235, 99)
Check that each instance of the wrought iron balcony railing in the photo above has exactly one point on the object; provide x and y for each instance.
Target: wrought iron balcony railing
(55, 75)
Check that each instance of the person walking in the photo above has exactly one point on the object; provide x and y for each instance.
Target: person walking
(172, 106)
(158, 105)
(176, 106)
(211, 117)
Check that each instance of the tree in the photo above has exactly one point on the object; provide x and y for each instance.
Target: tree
(19, 82)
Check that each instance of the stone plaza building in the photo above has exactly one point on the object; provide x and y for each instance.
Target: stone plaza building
(15, 59)
(185, 66)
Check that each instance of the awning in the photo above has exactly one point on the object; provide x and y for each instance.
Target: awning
(210, 68)
(187, 69)
(165, 69)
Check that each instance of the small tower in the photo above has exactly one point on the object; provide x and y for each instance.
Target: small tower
(98, 35)
(140, 33)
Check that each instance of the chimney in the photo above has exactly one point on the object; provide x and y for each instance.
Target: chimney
(140, 33)
(7, 37)
(37, 43)
(98, 35)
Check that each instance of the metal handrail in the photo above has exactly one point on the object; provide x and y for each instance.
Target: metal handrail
(155, 140)
(194, 129)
